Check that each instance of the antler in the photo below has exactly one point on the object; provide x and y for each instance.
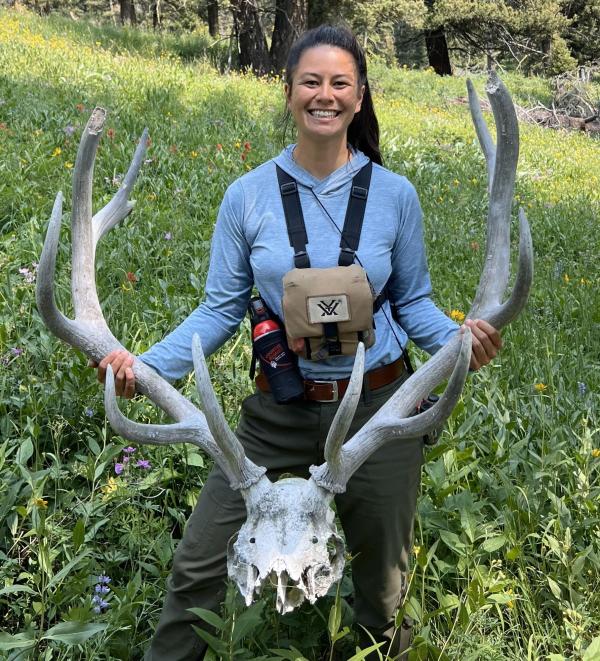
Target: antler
(89, 331)
(394, 419)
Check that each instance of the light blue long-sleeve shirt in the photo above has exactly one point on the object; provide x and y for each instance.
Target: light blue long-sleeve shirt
(250, 246)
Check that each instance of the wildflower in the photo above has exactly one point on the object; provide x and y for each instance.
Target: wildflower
(457, 315)
(129, 450)
(69, 130)
(151, 196)
(79, 107)
(540, 387)
(101, 588)
(57, 151)
(474, 245)
(110, 133)
(148, 141)
(99, 604)
(103, 578)
(243, 157)
(168, 236)
(416, 550)
(581, 388)
(585, 281)
(131, 277)
(219, 146)
(117, 179)
(173, 149)
(238, 145)
(247, 146)
(194, 154)
(126, 458)
(119, 468)
(596, 453)
(109, 487)
(69, 165)
(89, 412)
(27, 274)
(16, 351)
(566, 278)
(40, 503)
(143, 463)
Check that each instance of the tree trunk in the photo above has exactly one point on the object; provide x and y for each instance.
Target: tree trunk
(437, 51)
(290, 22)
(253, 53)
(127, 12)
(212, 10)
(322, 11)
(156, 15)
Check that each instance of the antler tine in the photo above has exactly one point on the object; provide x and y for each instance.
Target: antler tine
(343, 417)
(502, 169)
(89, 331)
(246, 472)
(119, 206)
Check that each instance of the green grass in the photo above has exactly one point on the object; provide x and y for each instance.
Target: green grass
(507, 544)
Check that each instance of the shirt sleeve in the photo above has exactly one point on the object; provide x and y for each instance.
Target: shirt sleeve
(410, 285)
(226, 296)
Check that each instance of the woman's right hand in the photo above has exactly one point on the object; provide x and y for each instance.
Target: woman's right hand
(121, 362)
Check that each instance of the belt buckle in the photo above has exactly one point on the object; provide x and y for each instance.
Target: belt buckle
(335, 391)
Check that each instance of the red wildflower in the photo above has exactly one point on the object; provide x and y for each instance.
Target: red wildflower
(173, 149)
(474, 245)
(148, 141)
(219, 147)
(244, 156)
(110, 133)
(131, 277)
(80, 107)
(247, 146)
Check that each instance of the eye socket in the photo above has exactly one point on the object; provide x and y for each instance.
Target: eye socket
(315, 540)
(252, 540)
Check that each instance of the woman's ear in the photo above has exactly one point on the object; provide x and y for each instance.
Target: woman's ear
(287, 90)
(361, 94)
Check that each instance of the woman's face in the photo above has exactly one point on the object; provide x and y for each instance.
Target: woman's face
(325, 93)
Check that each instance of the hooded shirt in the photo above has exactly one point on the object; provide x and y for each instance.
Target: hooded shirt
(251, 247)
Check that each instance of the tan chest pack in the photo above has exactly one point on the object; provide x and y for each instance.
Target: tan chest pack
(331, 309)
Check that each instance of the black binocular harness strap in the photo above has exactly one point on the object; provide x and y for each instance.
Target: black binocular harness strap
(349, 240)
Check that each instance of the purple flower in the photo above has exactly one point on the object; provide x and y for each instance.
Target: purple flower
(168, 236)
(69, 130)
(99, 604)
(119, 468)
(101, 589)
(143, 463)
(89, 412)
(126, 458)
(103, 578)
(129, 450)
(16, 351)
(581, 388)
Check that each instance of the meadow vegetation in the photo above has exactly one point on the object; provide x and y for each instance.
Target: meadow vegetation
(507, 543)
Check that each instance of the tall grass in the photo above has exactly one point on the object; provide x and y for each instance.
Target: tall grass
(507, 543)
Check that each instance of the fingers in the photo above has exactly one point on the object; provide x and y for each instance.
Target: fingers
(486, 342)
(121, 362)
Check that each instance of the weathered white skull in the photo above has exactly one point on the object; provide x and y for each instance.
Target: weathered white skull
(290, 540)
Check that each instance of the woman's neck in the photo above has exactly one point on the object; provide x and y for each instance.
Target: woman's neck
(321, 159)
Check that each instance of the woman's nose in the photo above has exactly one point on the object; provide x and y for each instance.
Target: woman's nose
(325, 92)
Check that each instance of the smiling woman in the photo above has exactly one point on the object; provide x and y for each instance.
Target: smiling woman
(323, 202)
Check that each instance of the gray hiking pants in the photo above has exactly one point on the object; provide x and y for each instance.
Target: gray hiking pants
(376, 512)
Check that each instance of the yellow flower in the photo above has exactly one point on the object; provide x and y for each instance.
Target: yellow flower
(585, 281)
(57, 151)
(596, 453)
(238, 145)
(457, 315)
(40, 503)
(194, 154)
(540, 387)
(566, 278)
(69, 166)
(416, 550)
(110, 487)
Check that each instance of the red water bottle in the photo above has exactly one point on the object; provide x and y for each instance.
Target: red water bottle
(277, 362)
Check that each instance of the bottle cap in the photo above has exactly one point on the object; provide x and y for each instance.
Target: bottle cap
(264, 327)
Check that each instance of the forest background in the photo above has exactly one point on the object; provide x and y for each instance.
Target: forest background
(506, 560)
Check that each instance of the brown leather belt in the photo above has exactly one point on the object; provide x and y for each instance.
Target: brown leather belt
(332, 391)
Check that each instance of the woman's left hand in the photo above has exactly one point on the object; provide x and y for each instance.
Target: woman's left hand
(486, 342)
